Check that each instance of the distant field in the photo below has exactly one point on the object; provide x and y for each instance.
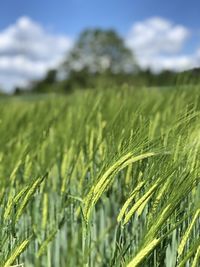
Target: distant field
(101, 179)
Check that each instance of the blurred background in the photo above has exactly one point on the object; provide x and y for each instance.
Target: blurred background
(59, 46)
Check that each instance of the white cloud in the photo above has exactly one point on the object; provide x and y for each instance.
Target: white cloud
(27, 51)
(157, 35)
(177, 63)
(157, 43)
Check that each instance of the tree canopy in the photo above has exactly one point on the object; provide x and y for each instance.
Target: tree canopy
(100, 50)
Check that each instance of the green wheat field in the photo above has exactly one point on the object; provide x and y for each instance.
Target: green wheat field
(97, 179)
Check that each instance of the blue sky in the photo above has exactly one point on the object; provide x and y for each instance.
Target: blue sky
(71, 16)
(34, 35)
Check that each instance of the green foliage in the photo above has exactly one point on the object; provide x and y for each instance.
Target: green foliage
(101, 178)
(45, 85)
(99, 50)
(99, 58)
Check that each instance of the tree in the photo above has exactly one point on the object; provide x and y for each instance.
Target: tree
(46, 84)
(1, 92)
(50, 76)
(98, 51)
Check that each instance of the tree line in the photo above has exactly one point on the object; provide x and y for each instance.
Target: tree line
(100, 59)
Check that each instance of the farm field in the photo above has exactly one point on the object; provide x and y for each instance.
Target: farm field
(97, 179)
